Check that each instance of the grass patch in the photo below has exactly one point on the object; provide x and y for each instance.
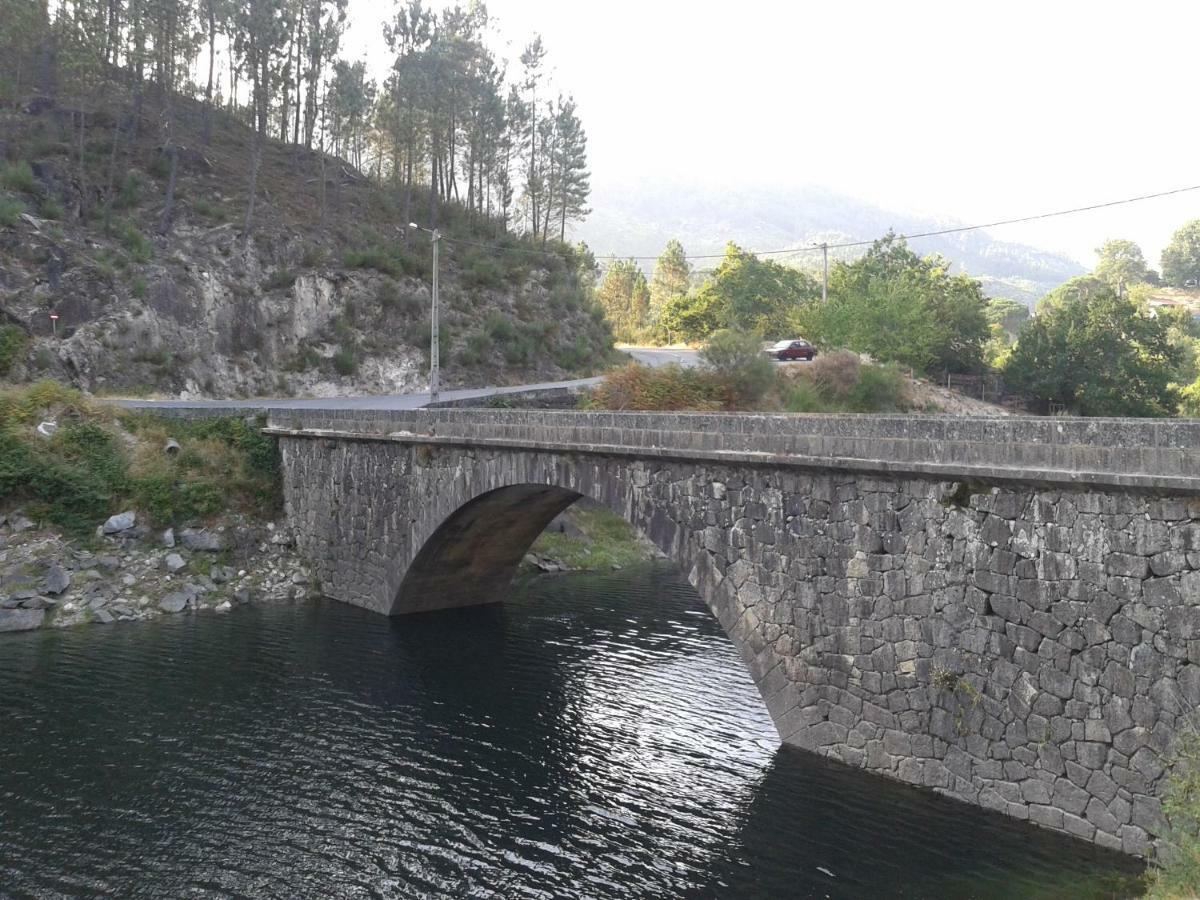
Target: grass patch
(608, 541)
(103, 459)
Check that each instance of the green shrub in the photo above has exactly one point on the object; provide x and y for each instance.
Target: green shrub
(138, 288)
(160, 166)
(804, 397)
(478, 349)
(1177, 872)
(482, 271)
(879, 389)
(737, 361)
(19, 177)
(10, 211)
(13, 342)
(134, 242)
(51, 208)
(345, 360)
(129, 194)
(374, 258)
(840, 382)
(208, 209)
(279, 279)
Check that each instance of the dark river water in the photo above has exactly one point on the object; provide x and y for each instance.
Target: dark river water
(595, 736)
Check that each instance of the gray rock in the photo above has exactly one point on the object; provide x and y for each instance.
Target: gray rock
(57, 580)
(223, 574)
(103, 616)
(202, 540)
(110, 563)
(174, 602)
(21, 619)
(168, 538)
(242, 595)
(38, 603)
(120, 522)
(174, 562)
(19, 523)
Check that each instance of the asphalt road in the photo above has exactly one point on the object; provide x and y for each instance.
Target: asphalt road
(657, 356)
(651, 356)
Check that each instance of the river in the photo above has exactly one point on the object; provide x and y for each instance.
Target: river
(594, 736)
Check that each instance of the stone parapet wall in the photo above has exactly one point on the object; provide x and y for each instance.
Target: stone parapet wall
(1133, 453)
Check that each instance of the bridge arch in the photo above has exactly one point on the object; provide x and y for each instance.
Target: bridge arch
(466, 546)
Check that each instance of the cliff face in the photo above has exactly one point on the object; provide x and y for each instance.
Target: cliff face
(324, 297)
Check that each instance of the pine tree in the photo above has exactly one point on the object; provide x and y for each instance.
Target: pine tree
(672, 277)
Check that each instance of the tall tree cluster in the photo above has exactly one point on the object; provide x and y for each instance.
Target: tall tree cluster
(449, 118)
(451, 121)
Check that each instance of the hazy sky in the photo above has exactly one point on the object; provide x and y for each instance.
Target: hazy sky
(969, 110)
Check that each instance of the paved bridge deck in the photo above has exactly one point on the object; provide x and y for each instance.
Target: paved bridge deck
(1138, 454)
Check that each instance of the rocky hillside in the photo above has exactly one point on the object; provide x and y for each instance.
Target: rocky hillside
(325, 294)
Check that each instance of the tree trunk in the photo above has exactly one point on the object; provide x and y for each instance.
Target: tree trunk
(206, 138)
(83, 202)
(255, 162)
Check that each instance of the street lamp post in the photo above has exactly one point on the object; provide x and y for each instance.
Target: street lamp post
(434, 362)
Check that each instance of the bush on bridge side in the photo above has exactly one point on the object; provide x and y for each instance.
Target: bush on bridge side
(733, 382)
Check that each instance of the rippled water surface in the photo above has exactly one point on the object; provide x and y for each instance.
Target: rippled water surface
(595, 736)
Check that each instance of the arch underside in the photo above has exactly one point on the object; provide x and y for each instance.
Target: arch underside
(473, 555)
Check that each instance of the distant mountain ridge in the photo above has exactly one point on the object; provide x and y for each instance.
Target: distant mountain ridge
(639, 218)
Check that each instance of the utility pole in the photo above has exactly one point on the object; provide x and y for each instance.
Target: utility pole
(434, 365)
(825, 278)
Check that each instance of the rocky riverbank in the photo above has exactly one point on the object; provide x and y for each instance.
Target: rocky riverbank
(128, 571)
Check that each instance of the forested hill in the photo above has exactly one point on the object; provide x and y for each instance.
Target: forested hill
(158, 237)
(638, 220)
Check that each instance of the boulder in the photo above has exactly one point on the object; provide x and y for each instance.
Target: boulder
(174, 562)
(120, 522)
(57, 580)
(19, 523)
(21, 619)
(174, 602)
(222, 574)
(202, 540)
(168, 537)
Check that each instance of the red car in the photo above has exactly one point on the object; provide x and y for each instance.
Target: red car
(797, 349)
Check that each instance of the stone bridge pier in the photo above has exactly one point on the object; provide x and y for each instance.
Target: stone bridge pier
(1006, 611)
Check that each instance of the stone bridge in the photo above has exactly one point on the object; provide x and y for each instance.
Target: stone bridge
(1004, 610)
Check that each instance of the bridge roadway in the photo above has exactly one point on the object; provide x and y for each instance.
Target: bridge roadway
(1006, 611)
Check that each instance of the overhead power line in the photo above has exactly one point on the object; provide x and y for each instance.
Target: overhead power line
(809, 248)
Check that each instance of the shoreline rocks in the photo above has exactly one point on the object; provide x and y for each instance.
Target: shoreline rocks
(128, 572)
